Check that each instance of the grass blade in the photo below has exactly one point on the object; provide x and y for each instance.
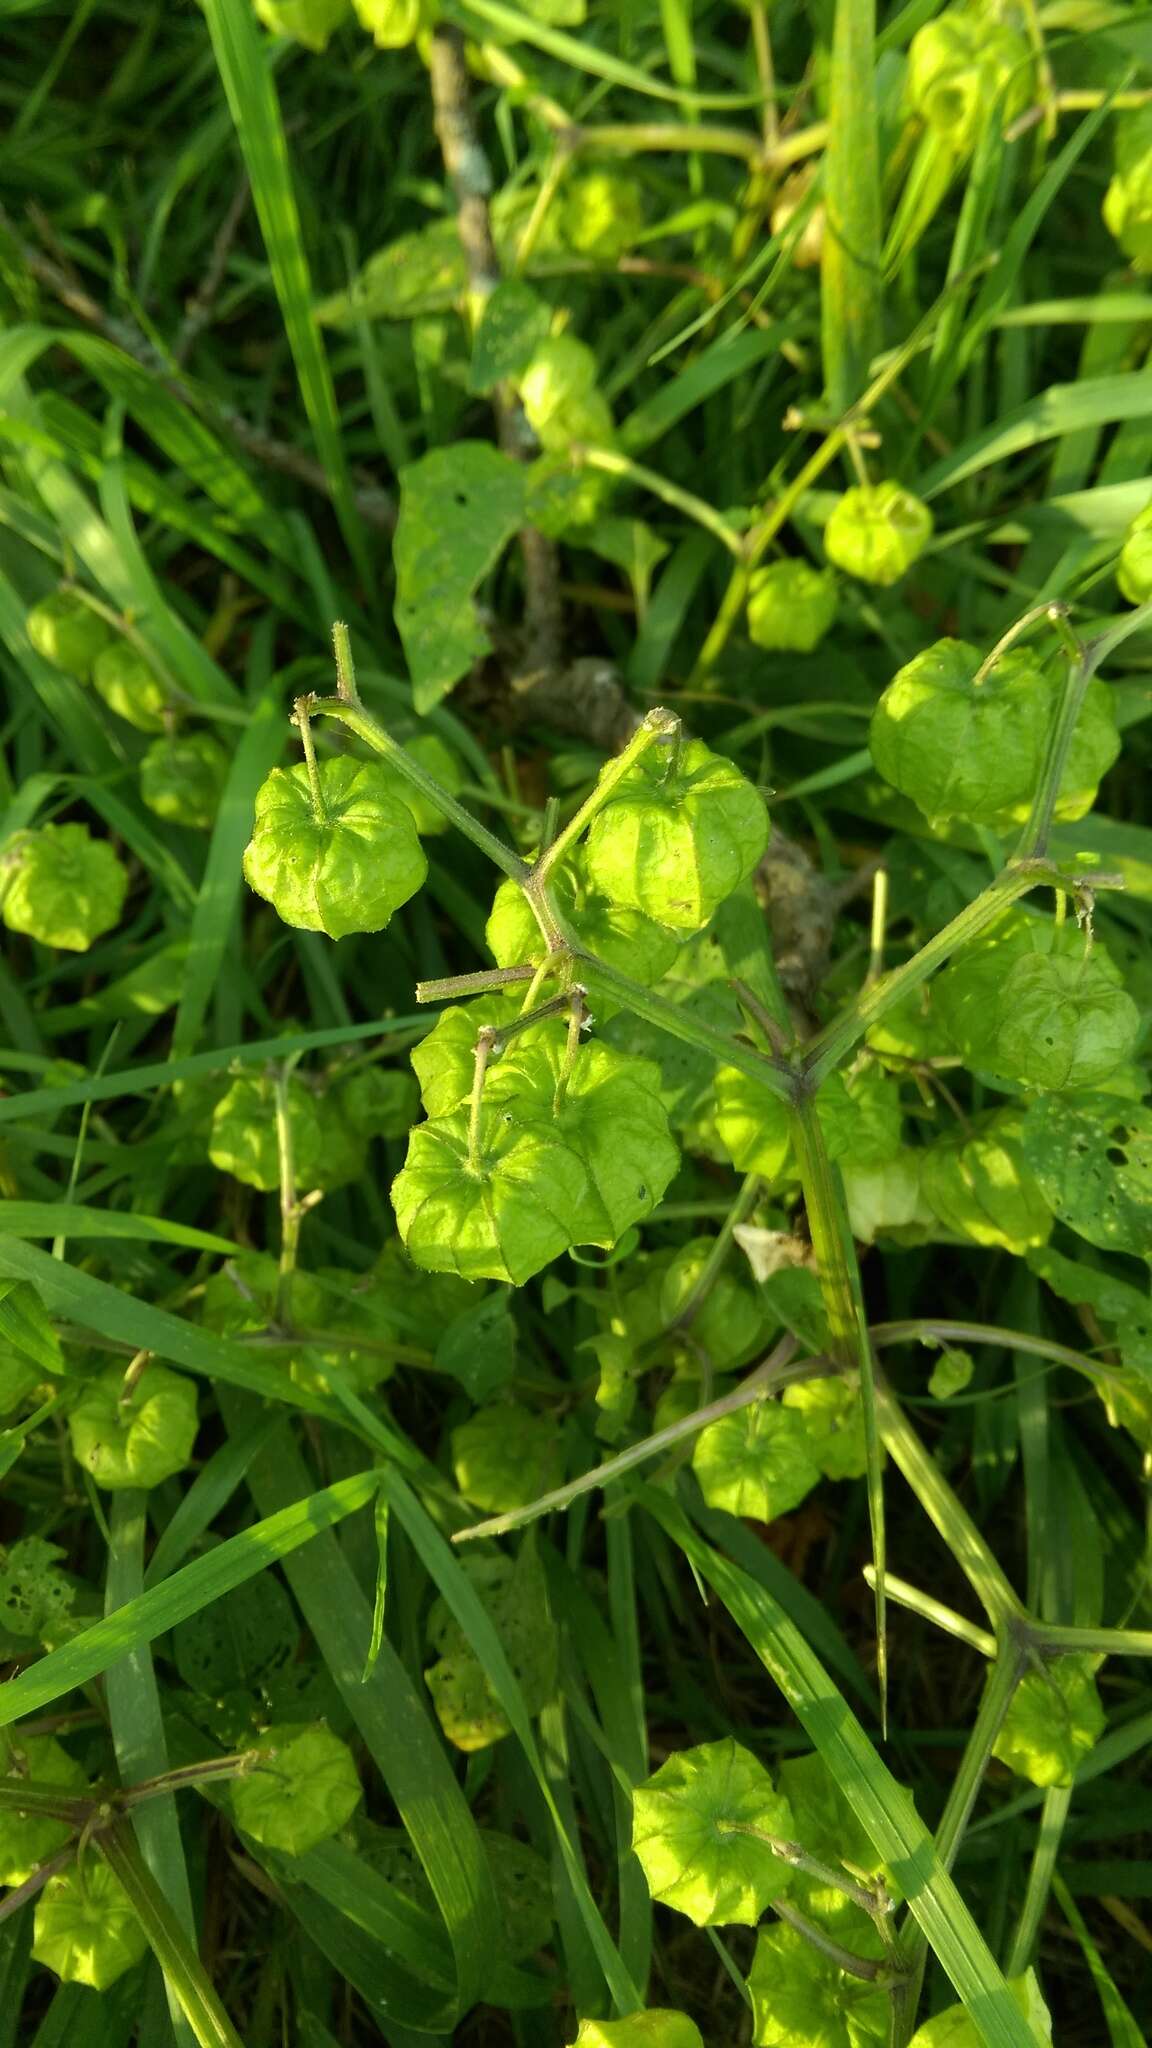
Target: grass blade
(850, 262)
(240, 51)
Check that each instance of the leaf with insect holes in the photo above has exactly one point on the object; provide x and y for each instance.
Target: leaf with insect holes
(515, 1594)
(958, 746)
(503, 1219)
(339, 863)
(506, 1456)
(521, 1878)
(977, 1182)
(687, 1831)
(610, 1116)
(1054, 1720)
(1093, 1161)
(303, 1789)
(656, 2028)
(802, 1999)
(955, 2027)
(34, 1592)
(28, 1839)
(514, 321)
(61, 886)
(759, 1462)
(136, 1438)
(85, 1927)
(459, 507)
(677, 836)
(1034, 1003)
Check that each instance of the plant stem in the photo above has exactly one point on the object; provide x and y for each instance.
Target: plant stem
(829, 1047)
(1004, 1676)
(345, 666)
(1053, 1817)
(319, 801)
(658, 725)
(376, 736)
(604, 981)
(481, 983)
(854, 1966)
(705, 515)
(977, 1562)
(827, 1874)
(929, 1609)
(577, 1018)
(717, 1257)
(1051, 612)
(843, 1300)
(1034, 838)
(781, 1368)
(484, 1044)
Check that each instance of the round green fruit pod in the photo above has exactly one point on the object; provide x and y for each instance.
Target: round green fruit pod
(1033, 1003)
(1134, 569)
(877, 531)
(622, 937)
(182, 779)
(61, 886)
(962, 68)
(68, 633)
(1128, 200)
(504, 1218)
(959, 743)
(393, 24)
(303, 1789)
(559, 395)
(85, 1927)
(28, 1839)
(657, 2028)
(677, 836)
(337, 862)
(602, 214)
(791, 605)
(310, 22)
(138, 1437)
(130, 686)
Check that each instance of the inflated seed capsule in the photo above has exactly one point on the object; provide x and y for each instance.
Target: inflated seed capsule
(130, 686)
(876, 532)
(393, 24)
(339, 858)
(962, 67)
(182, 778)
(310, 22)
(61, 886)
(560, 378)
(791, 606)
(68, 633)
(603, 214)
(1128, 200)
(1134, 569)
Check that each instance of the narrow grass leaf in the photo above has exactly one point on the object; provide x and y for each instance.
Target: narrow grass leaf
(850, 261)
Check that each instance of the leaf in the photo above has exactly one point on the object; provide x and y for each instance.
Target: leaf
(423, 272)
(244, 1639)
(479, 1347)
(29, 1839)
(25, 1328)
(1093, 1162)
(512, 325)
(1054, 1720)
(759, 1462)
(687, 1830)
(34, 1593)
(459, 507)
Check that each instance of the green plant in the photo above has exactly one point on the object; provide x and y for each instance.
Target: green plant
(575, 1339)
